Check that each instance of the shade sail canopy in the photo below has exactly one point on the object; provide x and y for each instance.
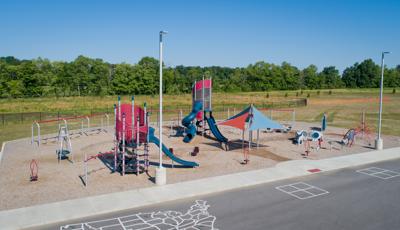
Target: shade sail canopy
(260, 121)
(237, 122)
(244, 111)
(254, 118)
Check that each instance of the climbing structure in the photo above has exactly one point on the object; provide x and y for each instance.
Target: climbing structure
(132, 137)
(131, 151)
(367, 134)
(362, 132)
(202, 113)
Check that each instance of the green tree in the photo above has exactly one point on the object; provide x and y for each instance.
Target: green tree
(392, 77)
(331, 78)
(87, 76)
(146, 72)
(291, 76)
(123, 81)
(362, 75)
(15, 88)
(258, 77)
(310, 76)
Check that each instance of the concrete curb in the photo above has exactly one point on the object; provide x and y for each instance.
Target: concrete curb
(79, 208)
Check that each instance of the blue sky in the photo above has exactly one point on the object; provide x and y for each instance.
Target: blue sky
(225, 33)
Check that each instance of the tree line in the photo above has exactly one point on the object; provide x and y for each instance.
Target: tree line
(87, 76)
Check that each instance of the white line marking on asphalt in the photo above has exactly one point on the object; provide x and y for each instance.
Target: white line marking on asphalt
(379, 172)
(302, 190)
(197, 217)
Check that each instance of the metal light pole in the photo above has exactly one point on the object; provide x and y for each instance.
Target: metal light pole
(161, 174)
(379, 141)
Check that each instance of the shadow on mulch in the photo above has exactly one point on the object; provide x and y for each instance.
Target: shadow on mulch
(267, 154)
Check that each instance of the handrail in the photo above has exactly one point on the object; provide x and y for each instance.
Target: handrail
(70, 118)
(33, 133)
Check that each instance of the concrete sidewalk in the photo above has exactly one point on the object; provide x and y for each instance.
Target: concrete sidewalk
(84, 207)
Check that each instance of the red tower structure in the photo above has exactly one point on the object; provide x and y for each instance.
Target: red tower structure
(131, 151)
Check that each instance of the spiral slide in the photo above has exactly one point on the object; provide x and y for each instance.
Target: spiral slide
(188, 122)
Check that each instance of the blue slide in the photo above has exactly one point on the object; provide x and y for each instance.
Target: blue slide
(187, 122)
(156, 141)
(214, 129)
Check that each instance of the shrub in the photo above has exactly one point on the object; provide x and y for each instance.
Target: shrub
(308, 94)
(297, 94)
(394, 90)
(318, 92)
(330, 92)
(286, 94)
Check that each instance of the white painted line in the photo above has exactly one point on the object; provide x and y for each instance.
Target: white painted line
(301, 185)
(302, 190)
(383, 175)
(197, 214)
(379, 173)
(372, 170)
(302, 195)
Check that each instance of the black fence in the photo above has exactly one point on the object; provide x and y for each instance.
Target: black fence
(21, 118)
(15, 118)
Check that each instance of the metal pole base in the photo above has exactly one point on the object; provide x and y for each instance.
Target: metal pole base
(378, 144)
(161, 176)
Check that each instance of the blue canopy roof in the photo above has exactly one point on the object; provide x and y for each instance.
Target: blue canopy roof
(260, 121)
(246, 110)
(255, 118)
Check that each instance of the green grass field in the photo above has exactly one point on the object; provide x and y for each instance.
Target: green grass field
(343, 106)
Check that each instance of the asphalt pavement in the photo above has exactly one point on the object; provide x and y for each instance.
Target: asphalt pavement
(344, 199)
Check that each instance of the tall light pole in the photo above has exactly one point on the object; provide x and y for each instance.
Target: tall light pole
(379, 141)
(161, 173)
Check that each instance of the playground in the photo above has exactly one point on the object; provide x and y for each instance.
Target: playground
(63, 181)
(105, 153)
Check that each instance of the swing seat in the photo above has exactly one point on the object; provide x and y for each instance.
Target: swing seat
(315, 136)
(63, 153)
(300, 137)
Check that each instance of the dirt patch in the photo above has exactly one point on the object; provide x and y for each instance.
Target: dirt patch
(267, 154)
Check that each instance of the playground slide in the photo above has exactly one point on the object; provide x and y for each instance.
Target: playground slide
(187, 122)
(214, 129)
(156, 141)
